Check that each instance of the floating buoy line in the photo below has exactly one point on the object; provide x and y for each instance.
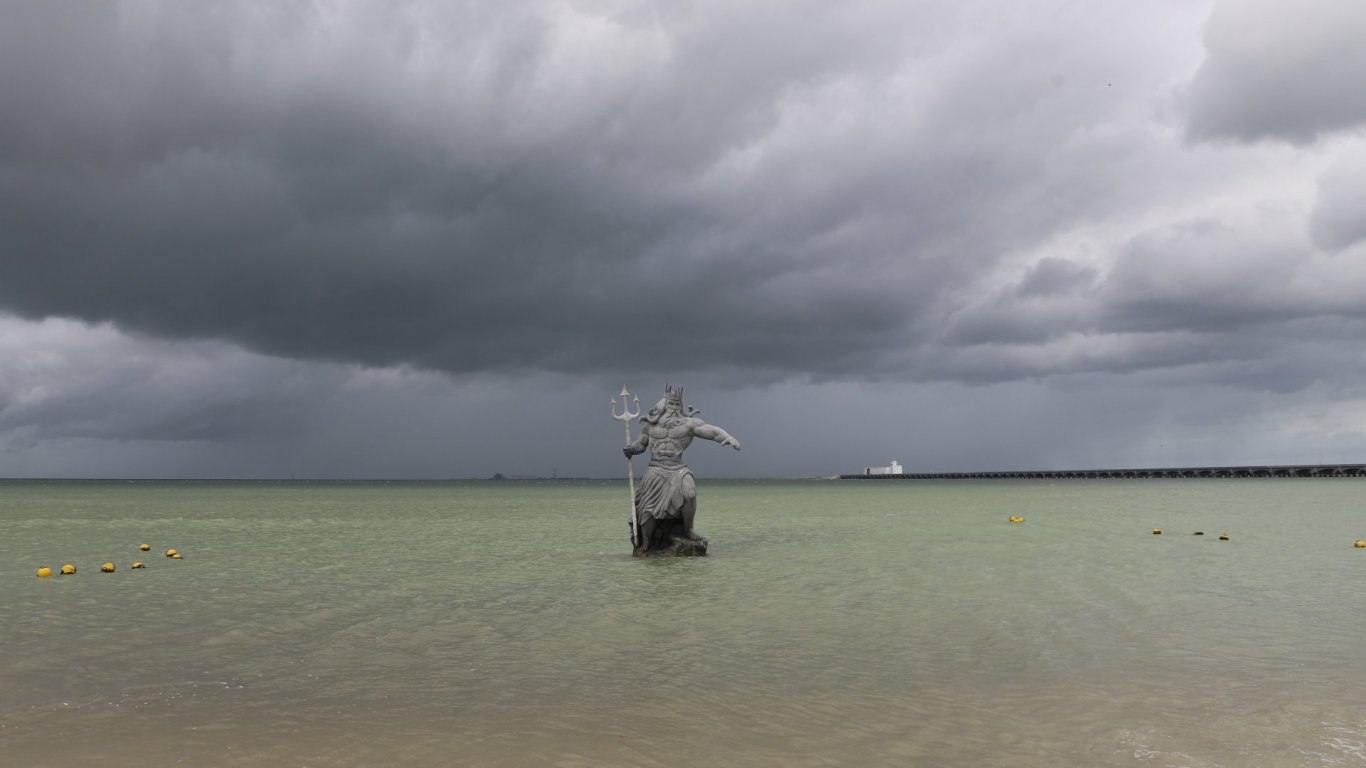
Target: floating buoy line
(69, 569)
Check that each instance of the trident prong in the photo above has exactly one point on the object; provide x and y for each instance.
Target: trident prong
(625, 414)
(625, 417)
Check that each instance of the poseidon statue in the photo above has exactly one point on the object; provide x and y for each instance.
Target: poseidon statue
(666, 499)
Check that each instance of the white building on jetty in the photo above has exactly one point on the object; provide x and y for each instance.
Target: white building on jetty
(894, 469)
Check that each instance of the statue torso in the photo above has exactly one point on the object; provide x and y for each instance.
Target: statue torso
(670, 437)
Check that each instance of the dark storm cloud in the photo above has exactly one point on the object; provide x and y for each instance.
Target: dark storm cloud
(782, 190)
(329, 191)
(90, 401)
(61, 380)
(274, 222)
(1279, 70)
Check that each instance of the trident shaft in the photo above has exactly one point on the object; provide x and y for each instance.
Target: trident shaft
(625, 417)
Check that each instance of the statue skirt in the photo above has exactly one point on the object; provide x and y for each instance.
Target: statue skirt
(661, 493)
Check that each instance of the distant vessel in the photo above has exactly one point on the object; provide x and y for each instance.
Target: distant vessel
(893, 469)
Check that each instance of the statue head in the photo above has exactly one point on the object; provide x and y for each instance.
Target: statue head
(671, 402)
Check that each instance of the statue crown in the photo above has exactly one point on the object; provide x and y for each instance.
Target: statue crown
(672, 395)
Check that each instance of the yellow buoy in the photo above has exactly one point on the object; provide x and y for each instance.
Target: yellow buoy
(1223, 537)
(144, 547)
(1359, 544)
(136, 566)
(1157, 531)
(177, 556)
(44, 572)
(68, 569)
(1015, 519)
(107, 567)
(170, 553)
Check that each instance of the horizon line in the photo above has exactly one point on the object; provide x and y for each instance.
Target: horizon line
(500, 477)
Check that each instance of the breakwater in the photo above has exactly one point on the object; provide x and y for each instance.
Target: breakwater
(1265, 471)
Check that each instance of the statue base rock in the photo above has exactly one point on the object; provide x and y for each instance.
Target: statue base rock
(676, 548)
(667, 538)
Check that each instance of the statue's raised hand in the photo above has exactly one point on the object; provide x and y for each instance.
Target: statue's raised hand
(732, 442)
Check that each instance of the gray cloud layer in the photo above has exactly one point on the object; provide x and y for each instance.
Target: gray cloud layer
(739, 193)
(1278, 70)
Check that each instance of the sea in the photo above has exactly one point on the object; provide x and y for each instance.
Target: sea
(834, 623)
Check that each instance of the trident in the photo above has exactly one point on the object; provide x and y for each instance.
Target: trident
(625, 416)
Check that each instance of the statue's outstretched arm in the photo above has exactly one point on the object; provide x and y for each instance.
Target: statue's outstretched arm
(713, 432)
(639, 446)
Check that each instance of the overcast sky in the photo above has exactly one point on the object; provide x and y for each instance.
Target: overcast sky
(431, 239)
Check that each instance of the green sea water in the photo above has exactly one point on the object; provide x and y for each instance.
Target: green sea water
(836, 623)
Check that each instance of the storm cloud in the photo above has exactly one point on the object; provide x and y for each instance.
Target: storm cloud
(780, 198)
